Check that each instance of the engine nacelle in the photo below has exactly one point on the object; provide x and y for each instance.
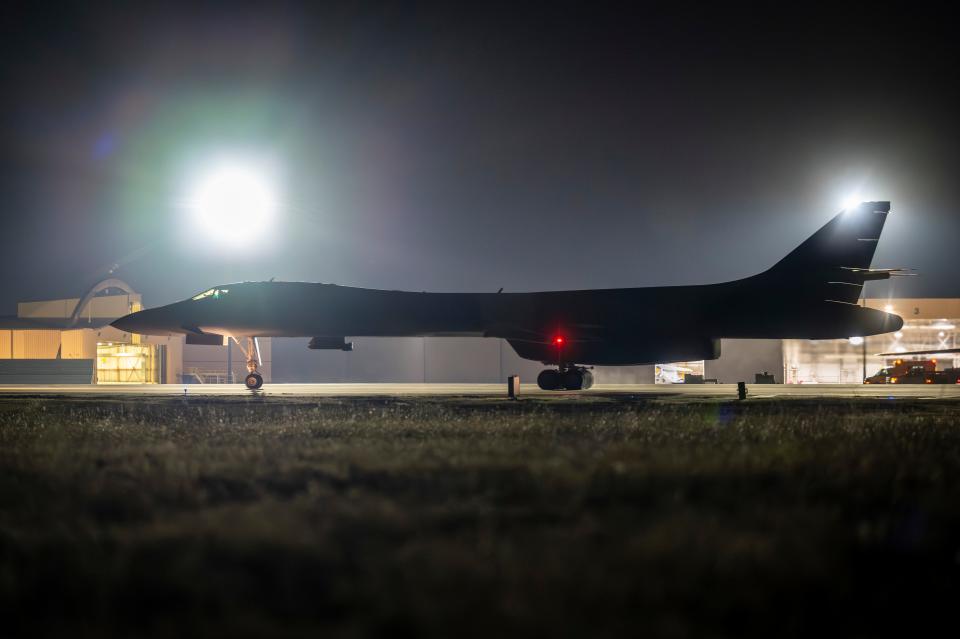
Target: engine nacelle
(329, 344)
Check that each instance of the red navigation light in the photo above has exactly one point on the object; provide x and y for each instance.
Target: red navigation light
(558, 340)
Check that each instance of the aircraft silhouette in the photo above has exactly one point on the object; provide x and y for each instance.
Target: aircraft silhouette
(811, 293)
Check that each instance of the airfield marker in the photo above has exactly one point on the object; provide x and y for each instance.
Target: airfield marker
(513, 386)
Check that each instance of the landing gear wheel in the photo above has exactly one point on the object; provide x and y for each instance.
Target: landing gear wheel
(573, 379)
(253, 381)
(587, 380)
(549, 379)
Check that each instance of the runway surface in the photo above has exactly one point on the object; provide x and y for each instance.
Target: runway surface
(930, 391)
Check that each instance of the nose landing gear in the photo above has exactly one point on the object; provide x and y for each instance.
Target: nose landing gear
(253, 380)
(567, 377)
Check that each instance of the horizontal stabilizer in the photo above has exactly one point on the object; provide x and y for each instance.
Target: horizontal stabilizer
(871, 274)
(834, 262)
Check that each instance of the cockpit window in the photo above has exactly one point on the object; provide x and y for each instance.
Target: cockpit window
(215, 293)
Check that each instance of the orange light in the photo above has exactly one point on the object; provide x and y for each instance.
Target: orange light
(934, 360)
(893, 380)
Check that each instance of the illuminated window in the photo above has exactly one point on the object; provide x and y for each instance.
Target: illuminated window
(215, 293)
(203, 295)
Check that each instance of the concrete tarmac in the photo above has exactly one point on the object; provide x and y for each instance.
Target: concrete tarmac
(916, 391)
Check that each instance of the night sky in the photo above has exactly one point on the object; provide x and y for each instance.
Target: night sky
(557, 146)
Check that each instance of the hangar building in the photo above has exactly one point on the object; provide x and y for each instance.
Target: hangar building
(69, 341)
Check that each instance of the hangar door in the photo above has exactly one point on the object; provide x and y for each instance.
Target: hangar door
(129, 363)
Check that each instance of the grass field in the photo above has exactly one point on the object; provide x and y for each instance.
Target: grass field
(424, 517)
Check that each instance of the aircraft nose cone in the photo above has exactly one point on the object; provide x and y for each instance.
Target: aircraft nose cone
(125, 323)
(133, 323)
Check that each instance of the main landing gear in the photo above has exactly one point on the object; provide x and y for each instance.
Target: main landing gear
(253, 380)
(567, 377)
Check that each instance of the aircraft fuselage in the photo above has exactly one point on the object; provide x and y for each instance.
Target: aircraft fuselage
(809, 294)
(606, 326)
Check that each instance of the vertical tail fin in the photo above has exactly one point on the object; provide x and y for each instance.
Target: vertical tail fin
(833, 263)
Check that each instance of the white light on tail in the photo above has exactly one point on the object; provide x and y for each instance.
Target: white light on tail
(851, 203)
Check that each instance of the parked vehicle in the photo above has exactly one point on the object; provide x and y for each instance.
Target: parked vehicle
(923, 371)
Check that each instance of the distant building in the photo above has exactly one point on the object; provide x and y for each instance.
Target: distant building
(71, 341)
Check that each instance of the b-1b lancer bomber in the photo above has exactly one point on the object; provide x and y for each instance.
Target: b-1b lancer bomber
(811, 293)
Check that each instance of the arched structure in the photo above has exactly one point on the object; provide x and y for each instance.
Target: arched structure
(103, 285)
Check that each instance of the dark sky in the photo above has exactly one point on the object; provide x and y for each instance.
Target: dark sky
(557, 146)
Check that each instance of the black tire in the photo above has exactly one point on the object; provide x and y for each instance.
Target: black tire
(253, 381)
(573, 379)
(549, 379)
(587, 380)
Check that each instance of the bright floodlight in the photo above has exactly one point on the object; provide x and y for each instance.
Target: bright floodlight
(856, 341)
(234, 204)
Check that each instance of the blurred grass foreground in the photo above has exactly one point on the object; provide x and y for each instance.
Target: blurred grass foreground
(458, 517)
